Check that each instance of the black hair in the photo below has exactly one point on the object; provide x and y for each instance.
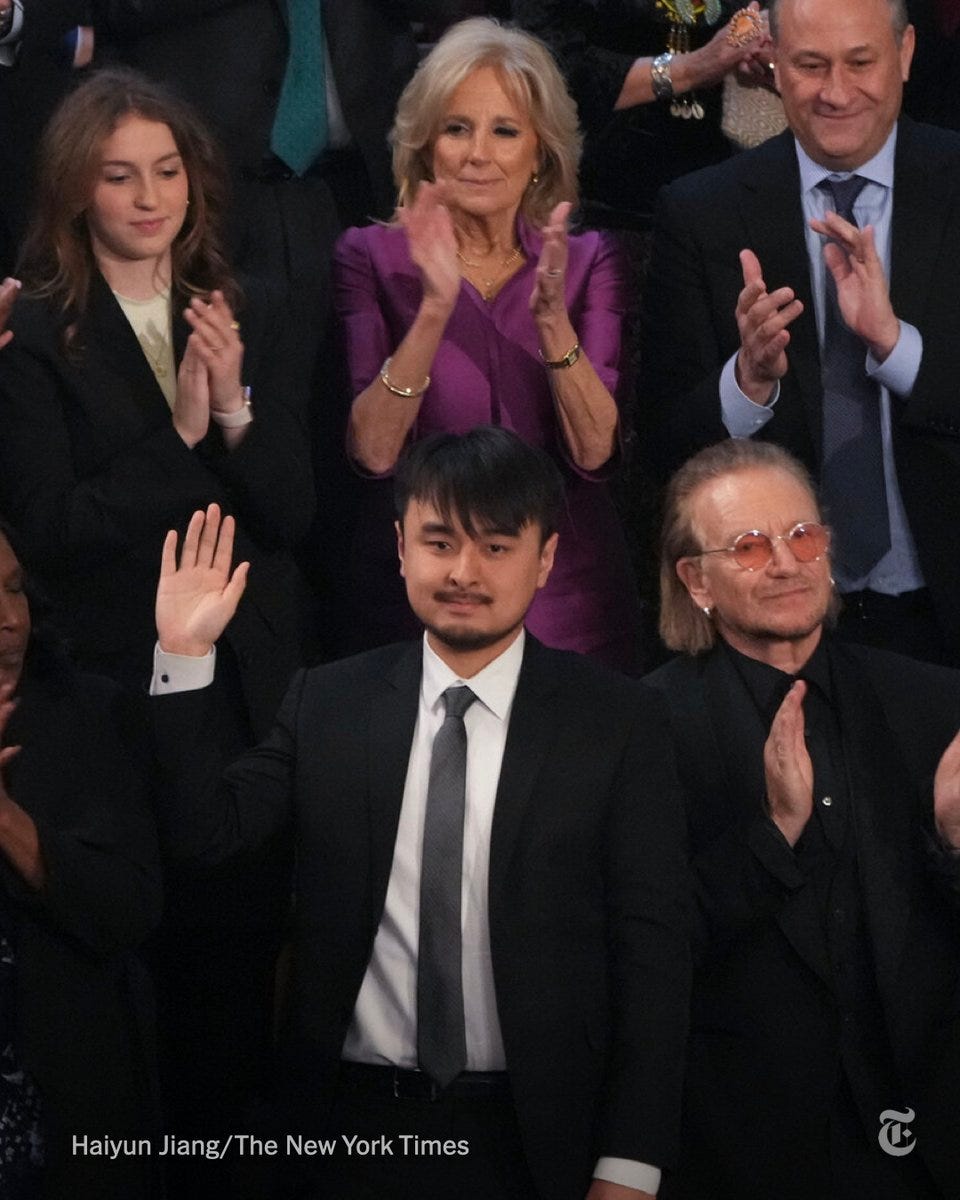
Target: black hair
(487, 477)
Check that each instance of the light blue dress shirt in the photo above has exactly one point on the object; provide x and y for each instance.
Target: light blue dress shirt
(899, 569)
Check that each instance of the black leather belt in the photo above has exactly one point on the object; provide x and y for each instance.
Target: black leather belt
(396, 1083)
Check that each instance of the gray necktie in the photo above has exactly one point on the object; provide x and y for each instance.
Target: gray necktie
(853, 485)
(441, 1037)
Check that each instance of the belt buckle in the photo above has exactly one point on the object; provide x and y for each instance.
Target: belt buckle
(431, 1093)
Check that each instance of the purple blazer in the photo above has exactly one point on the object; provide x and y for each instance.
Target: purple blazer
(488, 372)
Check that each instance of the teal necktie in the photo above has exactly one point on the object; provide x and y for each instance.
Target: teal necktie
(300, 125)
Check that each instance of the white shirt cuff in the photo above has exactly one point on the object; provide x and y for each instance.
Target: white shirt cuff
(181, 672)
(898, 371)
(741, 415)
(629, 1173)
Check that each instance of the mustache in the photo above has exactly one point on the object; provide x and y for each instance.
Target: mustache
(461, 598)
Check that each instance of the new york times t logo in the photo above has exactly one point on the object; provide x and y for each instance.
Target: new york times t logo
(895, 1137)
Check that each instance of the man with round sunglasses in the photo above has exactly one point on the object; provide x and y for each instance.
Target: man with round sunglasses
(823, 819)
(752, 550)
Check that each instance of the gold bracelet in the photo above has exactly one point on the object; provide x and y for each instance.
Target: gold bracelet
(568, 359)
(407, 393)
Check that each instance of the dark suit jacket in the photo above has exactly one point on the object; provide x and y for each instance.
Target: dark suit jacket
(29, 92)
(589, 961)
(93, 474)
(690, 329)
(766, 1025)
(227, 57)
(84, 1024)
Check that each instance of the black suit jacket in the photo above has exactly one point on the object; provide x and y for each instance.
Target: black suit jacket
(93, 474)
(585, 907)
(690, 330)
(766, 1024)
(30, 89)
(83, 1007)
(227, 57)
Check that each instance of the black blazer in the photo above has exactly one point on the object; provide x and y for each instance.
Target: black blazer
(83, 1006)
(92, 473)
(765, 1027)
(29, 92)
(227, 57)
(589, 959)
(690, 330)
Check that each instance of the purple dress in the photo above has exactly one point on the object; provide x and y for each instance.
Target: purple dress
(488, 372)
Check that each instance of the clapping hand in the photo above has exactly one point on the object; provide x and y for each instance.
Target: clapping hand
(788, 770)
(763, 319)
(433, 244)
(19, 840)
(209, 375)
(862, 292)
(197, 597)
(548, 298)
(216, 340)
(946, 795)
(7, 705)
(9, 290)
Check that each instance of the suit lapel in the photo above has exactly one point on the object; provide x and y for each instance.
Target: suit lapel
(393, 718)
(528, 739)
(118, 350)
(924, 198)
(704, 767)
(882, 800)
(773, 216)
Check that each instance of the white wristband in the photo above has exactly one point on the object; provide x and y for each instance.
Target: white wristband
(234, 420)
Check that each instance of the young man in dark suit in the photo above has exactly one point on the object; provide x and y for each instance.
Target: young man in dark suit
(770, 315)
(535, 1044)
(823, 817)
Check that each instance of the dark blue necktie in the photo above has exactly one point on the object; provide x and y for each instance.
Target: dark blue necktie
(441, 1034)
(853, 489)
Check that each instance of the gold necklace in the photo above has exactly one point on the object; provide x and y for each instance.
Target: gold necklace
(490, 284)
(156, 355)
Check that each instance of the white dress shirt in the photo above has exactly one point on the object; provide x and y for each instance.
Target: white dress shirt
(384, 1025)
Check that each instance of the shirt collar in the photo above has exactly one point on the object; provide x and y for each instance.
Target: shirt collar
(494, 686)
(878, 169)
(768, 685)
